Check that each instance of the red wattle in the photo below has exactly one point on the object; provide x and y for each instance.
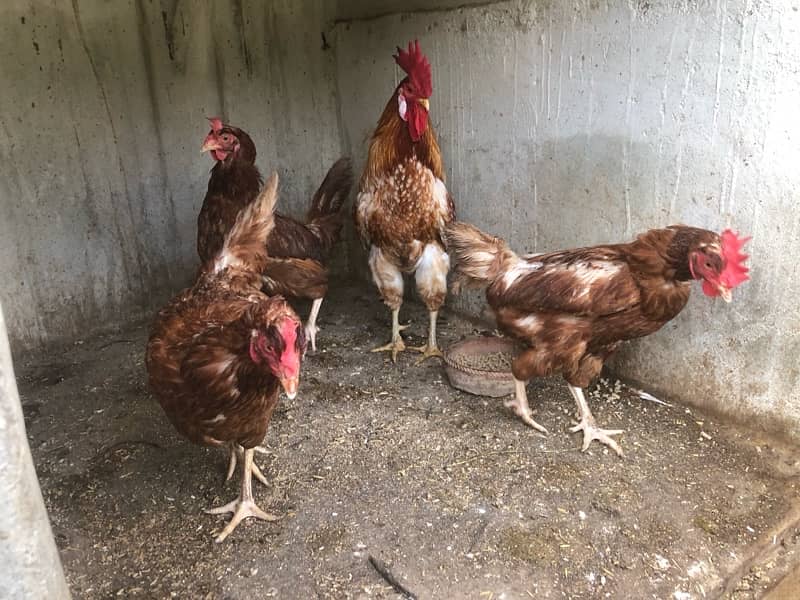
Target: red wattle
(417, 120)
(709, 289)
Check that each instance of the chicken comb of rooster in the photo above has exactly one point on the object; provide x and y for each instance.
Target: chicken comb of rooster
(416, 65)
(216, 124)
(734, 272)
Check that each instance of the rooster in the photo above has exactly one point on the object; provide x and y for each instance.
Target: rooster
(403, 205)
(219, 352)
(572, 309)
(297, 252)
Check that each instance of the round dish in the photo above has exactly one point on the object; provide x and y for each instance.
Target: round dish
(481, 365)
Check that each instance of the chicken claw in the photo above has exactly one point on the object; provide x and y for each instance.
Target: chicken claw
(241, 509)
(427, 352)
(395, 346)
(590, 429)
(592, 432)
(520, 406)
(311, 334)
(244, 506)
(431, 348)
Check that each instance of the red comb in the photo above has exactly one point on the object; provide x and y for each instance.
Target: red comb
(216, 124)
(414, 62)
(734, 272)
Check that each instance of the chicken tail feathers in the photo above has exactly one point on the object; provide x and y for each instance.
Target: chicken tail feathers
(477, 257)
(325, 216)
(245, 244)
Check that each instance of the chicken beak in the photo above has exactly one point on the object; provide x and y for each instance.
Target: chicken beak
(210, 143)
(425, 103)
(290, 385)
(725, 292)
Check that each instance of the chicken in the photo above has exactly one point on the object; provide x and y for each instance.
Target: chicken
(219, 352)
(297, 252)
(572, 309)
(403, 205)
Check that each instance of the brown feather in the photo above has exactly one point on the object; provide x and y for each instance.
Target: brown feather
(403, 207)
(392, 144)
(574, 307)
(233, 186)
(198, 354)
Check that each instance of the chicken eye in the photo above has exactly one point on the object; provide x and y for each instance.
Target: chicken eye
(708, 265)
(226, 137)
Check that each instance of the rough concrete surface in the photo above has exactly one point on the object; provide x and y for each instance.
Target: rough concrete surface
(562, 124)
(566, 124)
(31, 566)
(101, 120)
(455, 495)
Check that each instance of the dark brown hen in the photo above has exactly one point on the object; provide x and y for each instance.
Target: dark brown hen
(298, 252)
(572, 309)
(219, 352)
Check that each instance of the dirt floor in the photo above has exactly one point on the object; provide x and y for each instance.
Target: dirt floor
(454, 495)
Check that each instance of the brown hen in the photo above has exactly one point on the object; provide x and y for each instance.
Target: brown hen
(572, 309)
(297, 252)
(219, 352)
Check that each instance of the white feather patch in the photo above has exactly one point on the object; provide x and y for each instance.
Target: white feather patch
(431, 269)
(402, 106)
(529, 323)
(588, 273)
(440, 194)
(384, 274)
(521, 268)
(223, 261)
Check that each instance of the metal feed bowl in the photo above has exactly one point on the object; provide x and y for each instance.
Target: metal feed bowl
(478, 381)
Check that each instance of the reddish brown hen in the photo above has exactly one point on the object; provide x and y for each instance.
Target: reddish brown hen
(403, 204)
(572, 309)
(297, 252)
(220, 351)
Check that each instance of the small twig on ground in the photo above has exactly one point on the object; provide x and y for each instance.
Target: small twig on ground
(645, 396)
(384, 572)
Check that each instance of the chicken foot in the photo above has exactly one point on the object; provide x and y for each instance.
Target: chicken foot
(520, 406)
(396, 345)
(430, 349)
(244, 506)
(589, 427)
(311, 324)
(235, 452)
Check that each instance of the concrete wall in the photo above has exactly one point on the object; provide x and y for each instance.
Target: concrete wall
(575, 123)
(31, 565)
(101, 120)
(562, 124)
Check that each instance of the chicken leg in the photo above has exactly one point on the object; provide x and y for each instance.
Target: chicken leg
(589, 427)
(431, 279)
(397, 344)
(430, 349)
(311, 324)
(235, 452)
(244, 506)
(520, 406)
